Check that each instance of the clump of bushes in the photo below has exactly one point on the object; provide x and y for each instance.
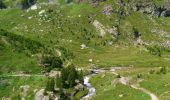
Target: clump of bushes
(22, 43)
(69, 78)
(163, 70)
(2, 5)
(155, 50)
(51, 62)
(27, 3)
(151, 71)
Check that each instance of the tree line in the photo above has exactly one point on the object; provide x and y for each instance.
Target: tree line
(69, 78)
(22, 43)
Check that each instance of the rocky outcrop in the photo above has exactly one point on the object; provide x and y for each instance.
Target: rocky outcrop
(5, 98)
(144, 6)
(40, 95)
(24, 91)
(165, 9)
(99, 27)
(103, 30)
(107, 10)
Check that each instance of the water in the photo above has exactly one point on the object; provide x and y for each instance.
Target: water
(92, 90)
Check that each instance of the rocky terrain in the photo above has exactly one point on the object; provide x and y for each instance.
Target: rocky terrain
(48, 48)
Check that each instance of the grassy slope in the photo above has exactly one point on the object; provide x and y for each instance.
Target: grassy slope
(10, 86)
(66, 26)
(159, 84)
(108, 91)
(156, 83)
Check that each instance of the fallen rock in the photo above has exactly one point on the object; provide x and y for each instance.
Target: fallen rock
(83, 46)
(107, 10)
(40, 95)
(54, 73)
(34, 7)
(5, 98)
(102, 29)
(24, 91)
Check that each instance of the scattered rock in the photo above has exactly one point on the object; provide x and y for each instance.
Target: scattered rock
(54, 73)
(102, 29)
(30, 17)
(90, 60)
(24, 91)
(34, 7)
(40, 95)
(83, 46)
(121, 95)
(107, 10)
(79, 87)
(5, 98)
(41, 12)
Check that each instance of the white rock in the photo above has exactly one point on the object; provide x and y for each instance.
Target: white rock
(41, 12)
(30, 17)
(83, 46)
(40, 95)
(79, 15)
(121, 95)
(34, 7)
(24, 91)
(90, 60)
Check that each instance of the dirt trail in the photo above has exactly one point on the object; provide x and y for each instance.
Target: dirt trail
(125, 81)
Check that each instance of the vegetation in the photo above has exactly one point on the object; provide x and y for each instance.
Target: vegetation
(69, 76)
(108, 88)
(2, 5)
(37, 41)
(27, 3)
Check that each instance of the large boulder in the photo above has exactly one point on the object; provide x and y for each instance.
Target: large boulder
(40, 95)
(144, 6)
(24, 91)
(107, 10)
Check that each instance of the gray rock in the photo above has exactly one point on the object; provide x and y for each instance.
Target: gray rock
(107, 10)
(40, 95)
(24, 90)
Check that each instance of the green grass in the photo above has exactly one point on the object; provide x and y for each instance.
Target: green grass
(66, 25)
(10, 86)
(156, 83)
(159, 84)
(107, 91)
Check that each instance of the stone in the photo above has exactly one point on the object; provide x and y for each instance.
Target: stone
(54, 73)
(107, 10)
(24, 90)
(34, 7)
(40, 95)
(83, 46)
(102, 29)
(41, 12)
(79, 87)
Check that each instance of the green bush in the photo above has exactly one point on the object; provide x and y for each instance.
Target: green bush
(2, 5)
(69, 76)
(50, 85)
(51, 62)
(27, 3)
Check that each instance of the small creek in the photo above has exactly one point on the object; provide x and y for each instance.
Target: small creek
(92, 90)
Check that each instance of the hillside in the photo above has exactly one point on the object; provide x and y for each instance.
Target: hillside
(37, 35)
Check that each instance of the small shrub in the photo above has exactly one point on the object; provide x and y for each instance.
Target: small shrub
(163, 70)
(151, 71)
